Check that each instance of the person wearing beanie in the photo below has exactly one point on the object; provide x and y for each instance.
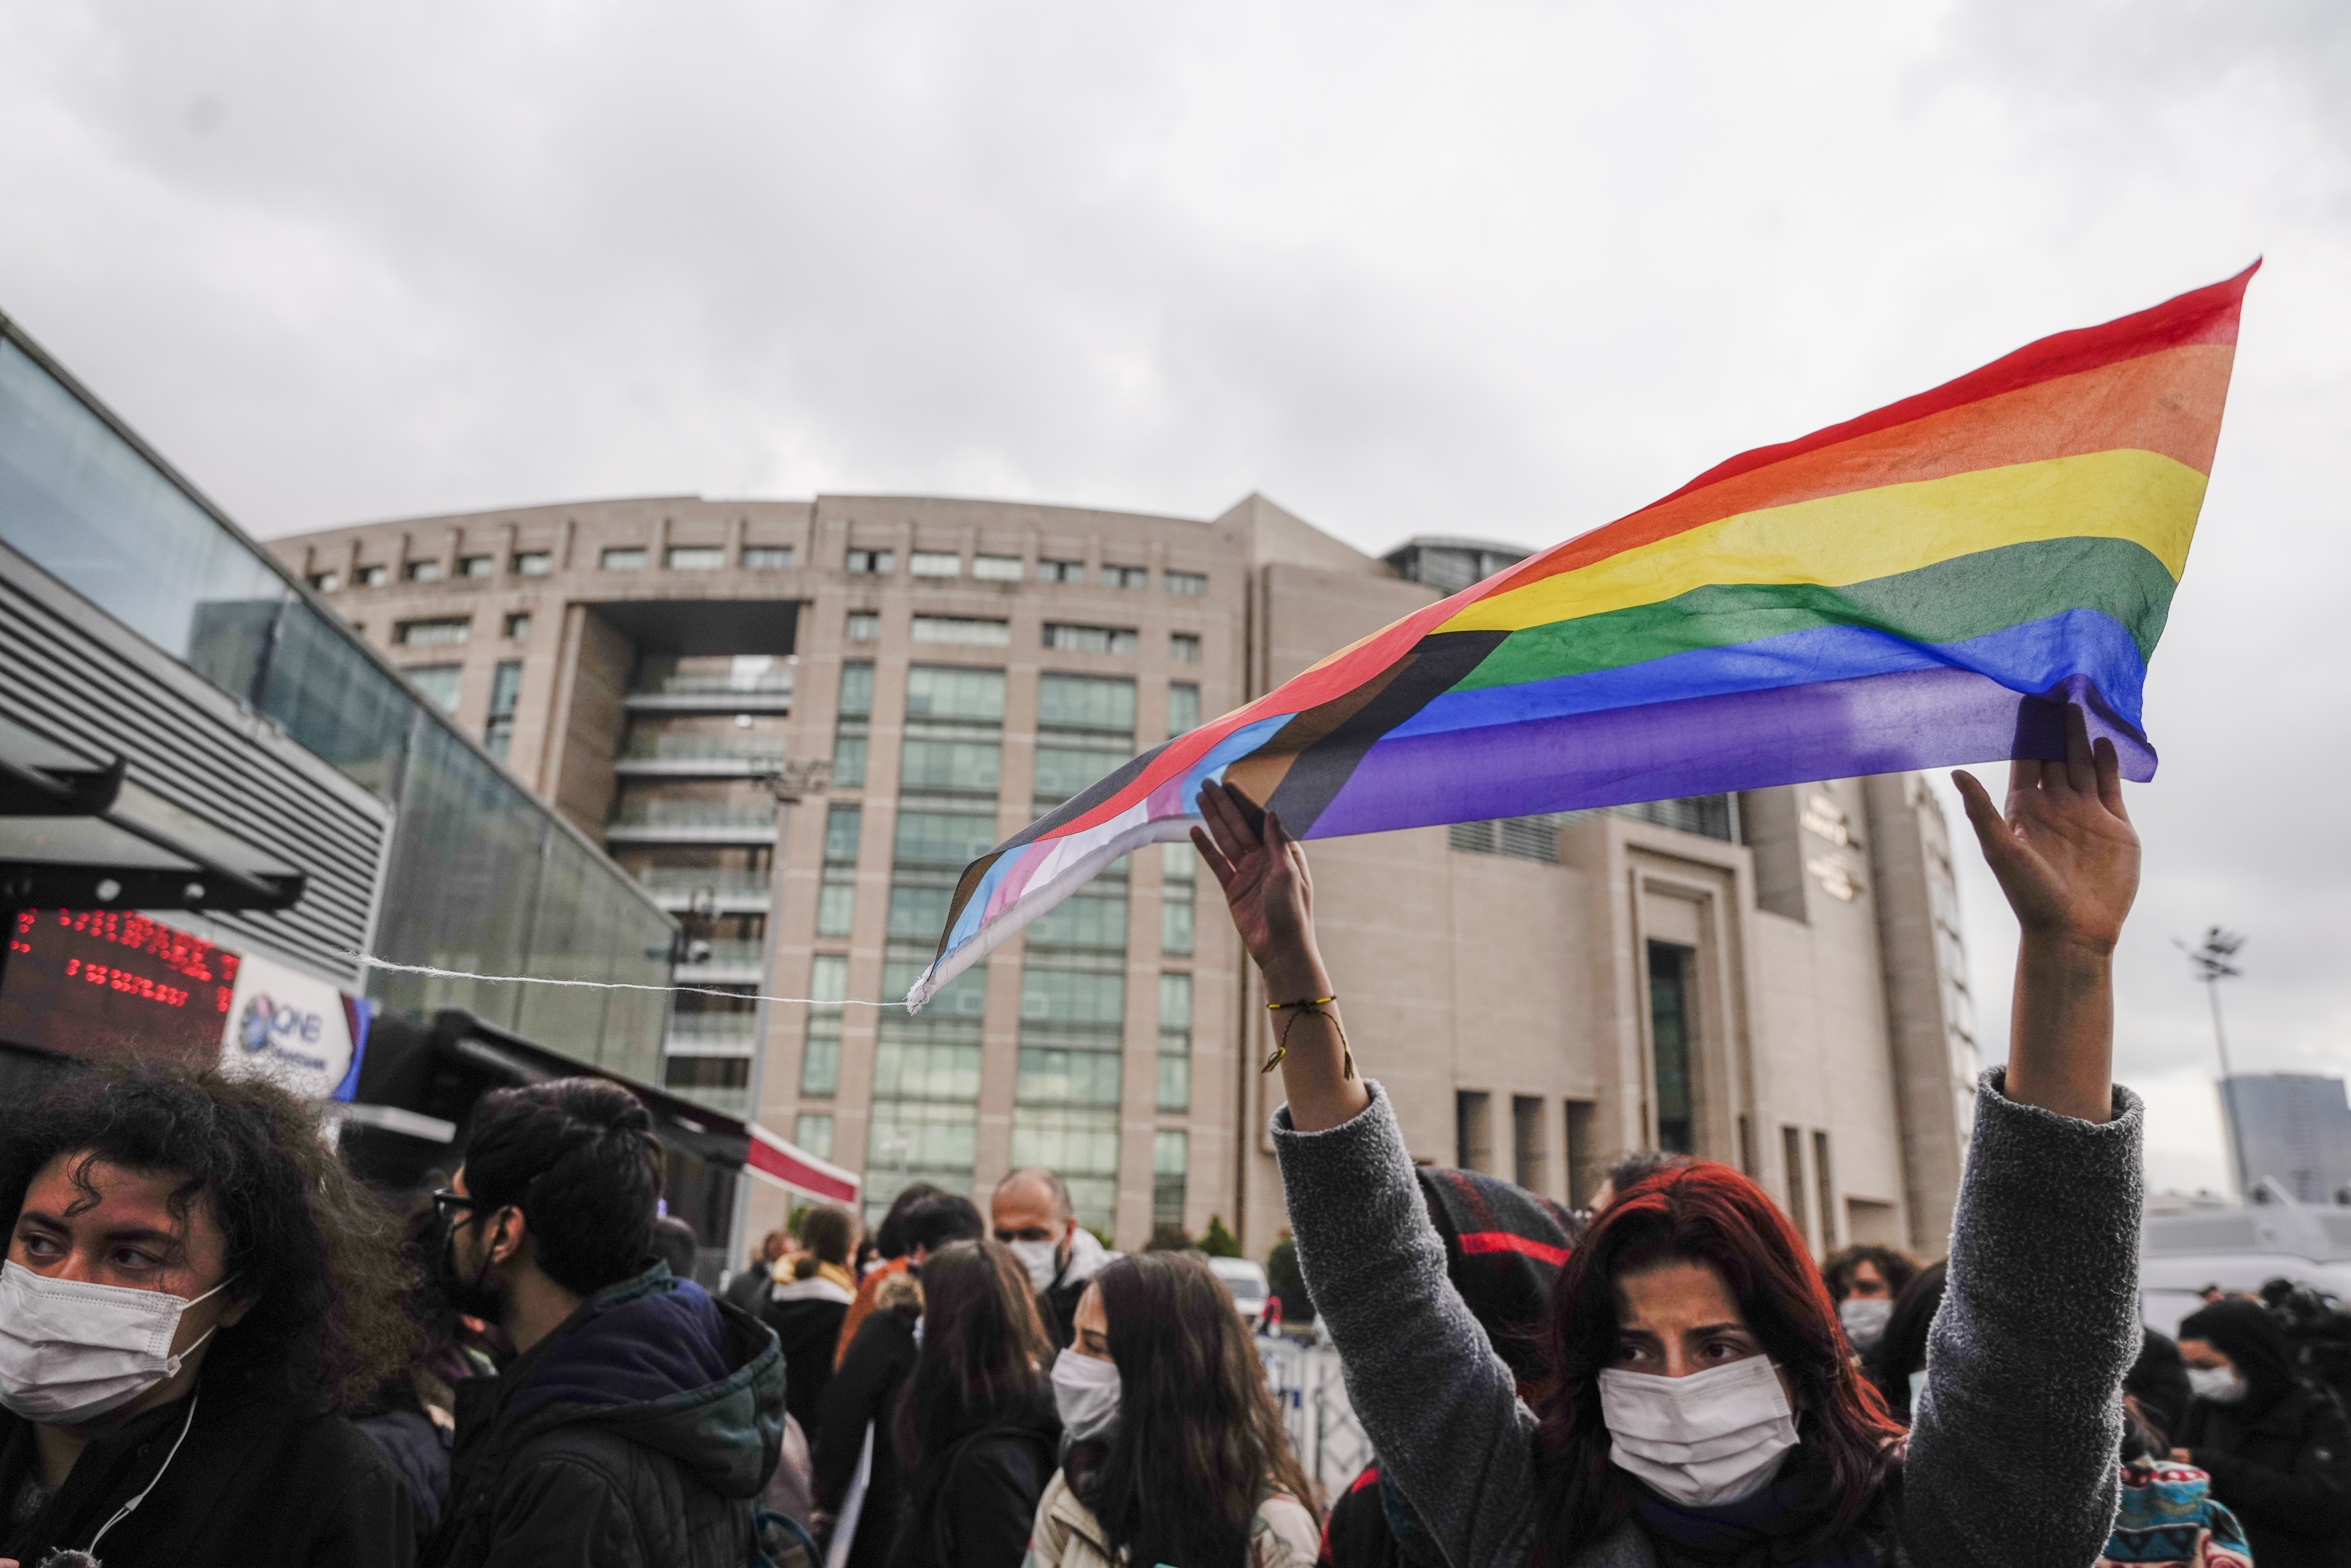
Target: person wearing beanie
(2277, 1444)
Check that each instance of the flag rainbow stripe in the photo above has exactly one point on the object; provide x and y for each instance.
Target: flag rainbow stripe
(1925, 585)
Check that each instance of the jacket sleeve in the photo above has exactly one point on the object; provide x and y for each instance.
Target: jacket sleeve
(851, 1402)
(2013, 1448)
(1046, 1536)
(2313, 1500)
(989, 1503)
(562, 1512)
(1439, 1407)
(370, 1524)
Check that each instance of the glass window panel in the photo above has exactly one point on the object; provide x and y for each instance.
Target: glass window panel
(925, 1070)
(1184, 646)
(1073, 996)
(1060, 571)
(1175, 1005)
(964, 767)
(517, 627)
(1086, 701)
(836, 907)
(873, 563)
(697, 557)
(996, 569)
(435, 633)
(506, 687)
(1058, 1078)
(950, 839)
(1178, 862)
(856, 688)
(336, 701)
(1191, 585)
(1082, 1147)
(1094, 916)
(1183, 707)
(841, 825)
(949, 691)
(849, 761)
(767, 557)
(1175, 918)
(956, 1008)
(437, 682)
(1064, 771)
(83, 505)
(1175, 1082)
(1066, 639)
(918, 913)
(864, 626)
(934, 563)
(1170, 1160)
(812, 1130)
(828, 977)
(821, 1065)
(972, 631)
(626, 559)
(422, 571)
(533, 562)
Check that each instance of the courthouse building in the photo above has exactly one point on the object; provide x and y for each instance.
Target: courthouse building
(796, 721)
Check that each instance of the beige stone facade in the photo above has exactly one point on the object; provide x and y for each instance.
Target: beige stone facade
(1771, 980)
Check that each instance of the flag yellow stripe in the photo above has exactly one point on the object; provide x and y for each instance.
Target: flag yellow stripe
(1856, 537)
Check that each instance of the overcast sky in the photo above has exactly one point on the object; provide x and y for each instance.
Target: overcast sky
(1490, 269)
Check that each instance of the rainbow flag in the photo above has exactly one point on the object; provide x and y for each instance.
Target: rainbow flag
(1925, 585)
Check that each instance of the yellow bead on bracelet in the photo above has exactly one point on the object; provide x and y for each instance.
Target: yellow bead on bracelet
(1282, 1048)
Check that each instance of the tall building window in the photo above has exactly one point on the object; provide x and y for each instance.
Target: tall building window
(836, 899)
(440, 632)
(870, 563)
(1085, 729)
(812, 1130)
(820, 1053)
(533, 562)
(517, 627)
(1672, 1032)
(1184, 646)
(1171, 1154)
(505, 694)
(438, 682)
(1792, 1153)
(1824, 1191)
(924, 1125)
(1176, 1043)
(697, 557)
(422, 571)
(996, 569)
(1191, 585)
(767, 558)
(1060, 571)
(853, 718)
(1519, 837)
(1530, 1161)
(625, 559)
(1064, 639)
(1126, 577)
(477, 566)
(371, 576)
(1179, 886)
(934, 563)
(325, 582)
(1473, 1137)
(1073, 978)
(864, 626)
(1183, 708)
(971, 631)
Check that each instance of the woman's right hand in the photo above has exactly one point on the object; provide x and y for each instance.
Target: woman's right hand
(1267, 887)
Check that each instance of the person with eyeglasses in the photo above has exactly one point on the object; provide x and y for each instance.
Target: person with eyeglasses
(640, 1416)
(194, 1293)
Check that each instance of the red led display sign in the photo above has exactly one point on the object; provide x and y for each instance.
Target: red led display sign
(113, 985)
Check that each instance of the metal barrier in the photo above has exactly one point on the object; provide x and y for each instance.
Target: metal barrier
(1323, 1431)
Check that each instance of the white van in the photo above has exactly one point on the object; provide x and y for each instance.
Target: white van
(2237, 1250)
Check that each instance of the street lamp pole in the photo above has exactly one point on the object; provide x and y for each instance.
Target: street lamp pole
(2214, 961)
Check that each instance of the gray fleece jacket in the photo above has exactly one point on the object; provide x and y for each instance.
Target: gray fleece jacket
(2013, 1455)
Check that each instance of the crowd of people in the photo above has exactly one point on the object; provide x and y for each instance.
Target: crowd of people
(217, 1346)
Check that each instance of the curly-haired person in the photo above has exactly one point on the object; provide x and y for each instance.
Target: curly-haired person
(194, 1289)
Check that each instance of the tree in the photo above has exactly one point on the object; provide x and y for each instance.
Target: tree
(1219, 1242)
(1282, 1277)
(1169, 1236)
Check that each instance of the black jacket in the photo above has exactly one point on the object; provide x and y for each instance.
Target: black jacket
(256, 1482)
(805, 1316)
(864, 1394)
(2284, 1470)
(972, 1501)
(635, 1435)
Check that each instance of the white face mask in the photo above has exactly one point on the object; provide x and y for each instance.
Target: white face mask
(1086, 1390)
(1864, 1319)
(1713, 1437)
(71, 1351)
(1038, 1259)
(2221, 1384)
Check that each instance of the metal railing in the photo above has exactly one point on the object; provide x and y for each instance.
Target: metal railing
(685, 882)
(696, 814)
(693, 748)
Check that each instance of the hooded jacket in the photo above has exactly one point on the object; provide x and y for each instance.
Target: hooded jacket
(635, 1435)
(972, 1499)
(805, 1316)
(2280, 1458)
(256, 1481)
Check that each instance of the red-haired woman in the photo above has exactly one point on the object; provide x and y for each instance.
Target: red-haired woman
(1700, 1409)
